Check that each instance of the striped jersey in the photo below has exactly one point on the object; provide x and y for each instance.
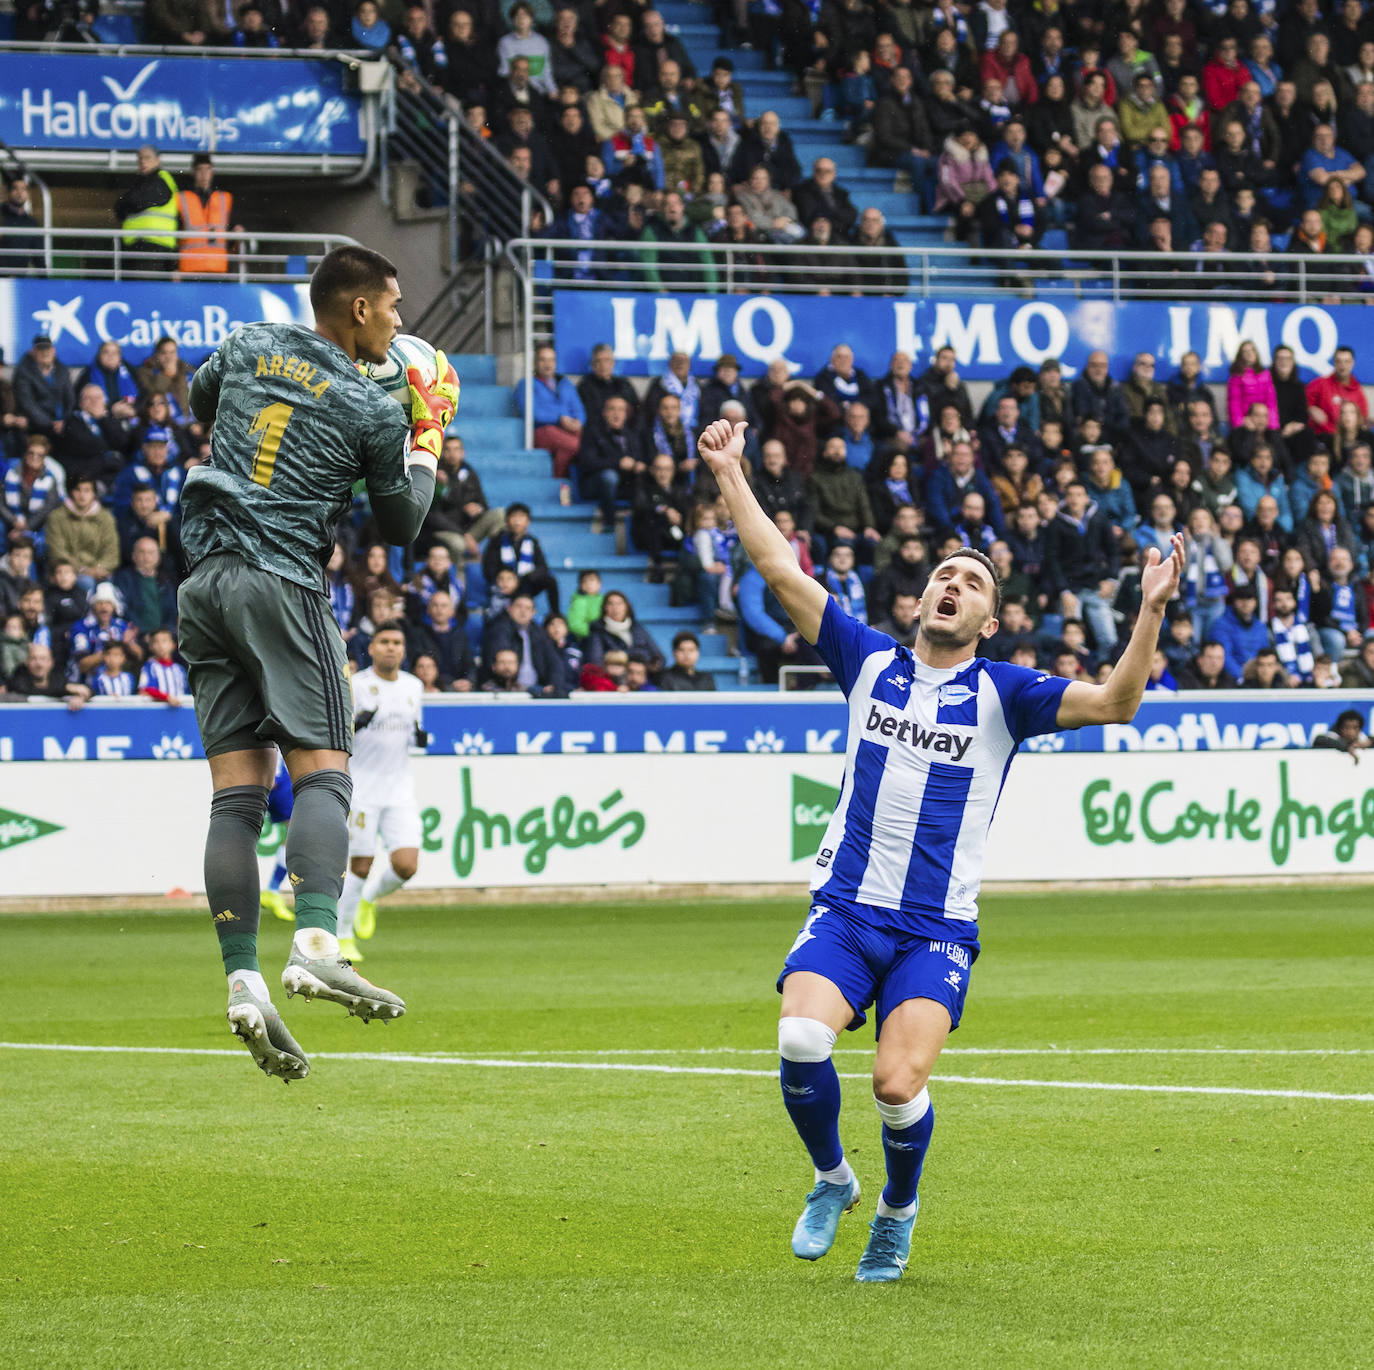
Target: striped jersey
(928, 753)
(166, 678)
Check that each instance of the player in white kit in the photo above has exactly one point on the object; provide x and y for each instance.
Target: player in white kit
(386, 724)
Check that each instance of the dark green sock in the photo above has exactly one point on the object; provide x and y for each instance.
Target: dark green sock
(317, 847)
(231, 872)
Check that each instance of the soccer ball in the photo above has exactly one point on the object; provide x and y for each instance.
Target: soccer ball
(406, 350)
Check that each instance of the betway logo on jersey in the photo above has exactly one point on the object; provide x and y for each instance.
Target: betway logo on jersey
(913, 734)
(134, 110)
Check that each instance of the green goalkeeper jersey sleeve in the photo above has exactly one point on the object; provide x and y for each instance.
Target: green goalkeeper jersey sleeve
(295, 426)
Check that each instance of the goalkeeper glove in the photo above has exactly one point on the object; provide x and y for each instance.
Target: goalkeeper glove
(431, 410)
(422, 738)
(360, 721)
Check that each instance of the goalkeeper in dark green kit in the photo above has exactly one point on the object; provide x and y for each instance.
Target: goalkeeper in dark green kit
(295, 426)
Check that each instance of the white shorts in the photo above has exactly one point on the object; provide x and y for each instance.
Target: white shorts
(398, 825)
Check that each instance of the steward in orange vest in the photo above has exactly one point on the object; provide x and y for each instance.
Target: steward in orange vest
(206, 210)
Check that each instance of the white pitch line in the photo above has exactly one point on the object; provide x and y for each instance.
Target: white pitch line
(525, 1063)
(967, 1051)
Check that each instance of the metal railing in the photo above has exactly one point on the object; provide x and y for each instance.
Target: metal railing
(14, 165)
(101, 253)
(1113, 277)
(349, 168)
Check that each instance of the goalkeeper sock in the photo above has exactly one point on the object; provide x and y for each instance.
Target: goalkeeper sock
(231, 872)
(348, 902)
(317, 847)
(381, 881)
(906, 1137)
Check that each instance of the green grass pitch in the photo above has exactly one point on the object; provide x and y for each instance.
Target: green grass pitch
(181, 1210)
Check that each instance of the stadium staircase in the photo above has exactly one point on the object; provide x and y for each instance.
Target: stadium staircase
(511, 472)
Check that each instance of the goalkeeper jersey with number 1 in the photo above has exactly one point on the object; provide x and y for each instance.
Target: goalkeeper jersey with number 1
(296, 425)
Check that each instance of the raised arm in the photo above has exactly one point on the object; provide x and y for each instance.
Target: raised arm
(1117, 699)
(802, 598)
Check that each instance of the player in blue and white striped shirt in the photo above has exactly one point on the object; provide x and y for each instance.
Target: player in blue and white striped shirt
(894, 914)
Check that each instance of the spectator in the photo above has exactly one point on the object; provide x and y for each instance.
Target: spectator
(1108, 490)
(43, 392)
(878, 273)
(1009, 217)
(1089, 108)
(713, 542)
(1347, 734)
(845, 383)
(516, 549)
(890, 489)
(965, 178)
(768, 209)
(769, 145)
(1224, 75)
(1003, 429)
(843, 583)
(16, 572)
(523, 41)
(1250, 383)
(610, 450)
(1142, 112)
(37, 678)
(940, 382)
(1095, 393)
(81, 531)
(1322, 530)
(1325, 394)
(1191, 125)
(1207, 562)
(93, 440)
(442, 637)
(166, 373)
(585, 606)
(1356, 480)
(902, 138)
(1340, 607)
(601, 383)
(1105, 216)
(1292, 639)
(659, 513)
(779, 489)
(1081, 565)
(30, 491)
(617, 629)
(1358, 673)
(1264, 671)
(163, 677)
(840, 501)
(101, 626)
(1208, 670)
(632, 156)
(820, 194)
(538, 668)
(559, 415)
(724, 385)
(1312, 480)
(667, 268)
(683, 673)
(471, 72)
(951, 481)
(799, 413)
(20, 252)
(1324, 162)
(148, 594)
(150, 467)
(147, 212)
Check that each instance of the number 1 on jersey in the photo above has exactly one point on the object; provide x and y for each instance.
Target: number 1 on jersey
(271, 423)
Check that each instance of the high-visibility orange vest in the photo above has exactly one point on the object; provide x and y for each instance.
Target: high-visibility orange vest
(211, 253)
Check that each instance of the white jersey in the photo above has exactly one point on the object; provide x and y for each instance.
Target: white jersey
(928, 753)
(381, 751)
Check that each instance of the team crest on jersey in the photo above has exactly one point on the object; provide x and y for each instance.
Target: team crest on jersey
(950, 695)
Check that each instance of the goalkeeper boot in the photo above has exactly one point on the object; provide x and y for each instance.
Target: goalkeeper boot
(333, 978)
(273, 903)
(348, 948)
(814, 1233)
(889, 1246)
(364, 921)
(258, 1025)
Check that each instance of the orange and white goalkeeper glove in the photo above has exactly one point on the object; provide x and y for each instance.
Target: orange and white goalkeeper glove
(431, 410)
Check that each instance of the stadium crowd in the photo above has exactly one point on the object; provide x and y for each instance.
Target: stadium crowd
(1065, 484)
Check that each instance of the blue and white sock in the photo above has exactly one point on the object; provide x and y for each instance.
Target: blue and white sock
(811, 1094)
(906, 1137)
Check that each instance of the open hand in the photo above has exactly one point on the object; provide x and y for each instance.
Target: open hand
(1159, 577)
